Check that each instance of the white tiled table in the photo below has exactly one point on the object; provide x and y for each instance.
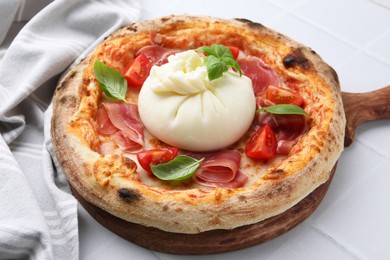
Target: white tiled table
(353, 221)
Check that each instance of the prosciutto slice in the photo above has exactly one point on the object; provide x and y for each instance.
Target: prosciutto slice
(156, 54)
(104, 125)
(261, 75)
(221, 170)
(287, 129)
(123, 123)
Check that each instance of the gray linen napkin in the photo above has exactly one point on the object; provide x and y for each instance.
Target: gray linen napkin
(38, 216)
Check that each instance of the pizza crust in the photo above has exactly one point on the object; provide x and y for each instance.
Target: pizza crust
(277, 189)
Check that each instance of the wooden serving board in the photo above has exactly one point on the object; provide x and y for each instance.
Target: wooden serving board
(359, 108)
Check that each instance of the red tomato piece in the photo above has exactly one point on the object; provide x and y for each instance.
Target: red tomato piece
(138, 70)
(235, 51)
(156, 156)
(263, 144)
(279, 95)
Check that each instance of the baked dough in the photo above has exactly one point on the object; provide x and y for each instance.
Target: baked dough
(111, 181)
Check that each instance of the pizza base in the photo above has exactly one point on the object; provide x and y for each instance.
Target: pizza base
(190, 211)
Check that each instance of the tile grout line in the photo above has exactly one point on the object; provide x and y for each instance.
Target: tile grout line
(288, 10)
(334, 241)
(156, 254)
(364, 50)
(285, 10)
(373, 149)
(349, 188)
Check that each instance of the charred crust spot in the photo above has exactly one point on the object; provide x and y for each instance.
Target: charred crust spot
(250, 23)
(177, 24)
(178, 210)
(71, 74)
(165, 19)
(241, 198)
(68, 101)
(275, 174)
(129, 195)
(132, 28)
(165, 208)
(61, 86)
(296, 59)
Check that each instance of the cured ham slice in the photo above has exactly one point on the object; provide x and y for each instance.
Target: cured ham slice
(239, 181)
(221, 167)
(291, 126)
(221, 170)
(287, 129)
(156, 54)
(124, 142)
(123, 123)
(261, 75)
(284, 146)
(104, 125)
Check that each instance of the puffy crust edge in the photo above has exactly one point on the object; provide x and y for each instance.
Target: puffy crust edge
(193, 211)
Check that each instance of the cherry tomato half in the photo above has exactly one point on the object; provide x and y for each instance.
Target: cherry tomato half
(235, 51)
(263, 144)
(283, 96)
(138, 70)
(156, 156)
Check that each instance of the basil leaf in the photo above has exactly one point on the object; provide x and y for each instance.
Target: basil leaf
(284, 109)
(180, 168)
(219, 59)
(208, 51)
(215, 67)
(230, 61)
(112, 82)
(221, 51)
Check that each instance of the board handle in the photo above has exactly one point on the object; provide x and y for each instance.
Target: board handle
(363, 107)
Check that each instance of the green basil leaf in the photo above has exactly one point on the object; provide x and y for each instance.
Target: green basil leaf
(112, 82)
(208, 51)
(215, 67)
(221, 51)
(230, 61)
(219, 59)
(180, 168)
(284, 109)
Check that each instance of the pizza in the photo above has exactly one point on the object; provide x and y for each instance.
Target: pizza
(189, 124)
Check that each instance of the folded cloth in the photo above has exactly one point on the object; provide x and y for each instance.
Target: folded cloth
(8, 11)
(384, 3)
(17, 10)
(38, 216)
